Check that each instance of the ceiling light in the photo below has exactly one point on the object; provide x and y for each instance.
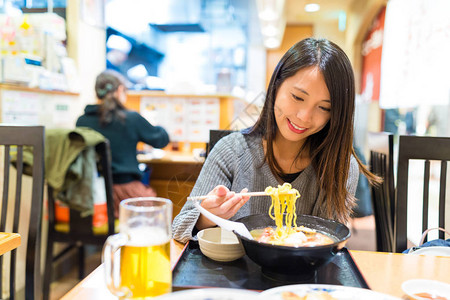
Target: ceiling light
(312, 7)
(270, 30)
(137, 72)
(118, 42)
(272, 43)
(268, 15)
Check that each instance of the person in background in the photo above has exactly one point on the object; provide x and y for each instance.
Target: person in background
(124, 129)
(303, 136)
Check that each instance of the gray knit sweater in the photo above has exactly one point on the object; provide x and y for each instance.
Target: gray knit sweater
(236, 161)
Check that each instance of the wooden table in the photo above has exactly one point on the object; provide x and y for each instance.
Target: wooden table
(384, 272)
(9, 241)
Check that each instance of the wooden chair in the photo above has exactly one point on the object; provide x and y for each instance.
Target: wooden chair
(381, 146)
(421, 148)
(79, 231)
(215, 136)
(18, 208)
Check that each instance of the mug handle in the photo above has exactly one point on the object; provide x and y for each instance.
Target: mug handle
(111, 263)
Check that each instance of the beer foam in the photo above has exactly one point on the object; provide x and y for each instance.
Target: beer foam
(147, 236)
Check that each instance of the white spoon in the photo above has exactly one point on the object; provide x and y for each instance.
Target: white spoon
(223, 223)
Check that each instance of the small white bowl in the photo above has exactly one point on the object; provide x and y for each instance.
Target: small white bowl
(432, 287)
(220, 244)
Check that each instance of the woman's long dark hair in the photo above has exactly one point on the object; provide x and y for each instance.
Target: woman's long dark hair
(106, 85)
(330, 148)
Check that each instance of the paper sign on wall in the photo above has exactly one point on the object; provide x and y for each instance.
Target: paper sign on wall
(185, 119)
(30, 108)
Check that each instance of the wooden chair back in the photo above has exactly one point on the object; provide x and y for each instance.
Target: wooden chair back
(215, 136)
(15, 140)
(381, 146)
(427, 149)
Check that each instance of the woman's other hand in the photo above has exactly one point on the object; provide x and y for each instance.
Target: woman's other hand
(222, 203)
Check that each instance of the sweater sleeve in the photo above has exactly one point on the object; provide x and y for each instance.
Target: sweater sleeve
(217, 169)
(155, 136)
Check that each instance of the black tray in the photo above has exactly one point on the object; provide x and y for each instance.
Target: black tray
(194, 270)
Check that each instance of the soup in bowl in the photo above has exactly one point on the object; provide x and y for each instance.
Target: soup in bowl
(297, 237)
(292, 262)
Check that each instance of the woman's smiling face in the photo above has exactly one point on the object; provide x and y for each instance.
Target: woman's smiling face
(302, 105)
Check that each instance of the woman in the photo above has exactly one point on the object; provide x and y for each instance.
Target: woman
(124, 129)
(303, 136)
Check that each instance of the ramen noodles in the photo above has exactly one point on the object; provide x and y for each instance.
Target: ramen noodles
(282, 210)
(286, 231)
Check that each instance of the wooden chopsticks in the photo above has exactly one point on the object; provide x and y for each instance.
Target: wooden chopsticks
(251, 194)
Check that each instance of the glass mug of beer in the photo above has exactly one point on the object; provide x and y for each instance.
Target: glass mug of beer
(137, 259)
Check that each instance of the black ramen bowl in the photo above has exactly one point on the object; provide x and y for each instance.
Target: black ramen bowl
(288, 263)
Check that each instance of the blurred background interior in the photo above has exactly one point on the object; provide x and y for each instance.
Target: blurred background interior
(199, 65)
(228, 47)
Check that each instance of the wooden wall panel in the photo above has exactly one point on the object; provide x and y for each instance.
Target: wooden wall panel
(292, 34)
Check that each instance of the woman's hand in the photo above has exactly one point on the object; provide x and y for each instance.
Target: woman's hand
(222, 203)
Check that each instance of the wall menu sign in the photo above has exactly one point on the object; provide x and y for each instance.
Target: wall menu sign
(185, 119)
(35, 108)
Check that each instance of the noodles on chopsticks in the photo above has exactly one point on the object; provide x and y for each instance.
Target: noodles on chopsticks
(286, 232)
(282, 210)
